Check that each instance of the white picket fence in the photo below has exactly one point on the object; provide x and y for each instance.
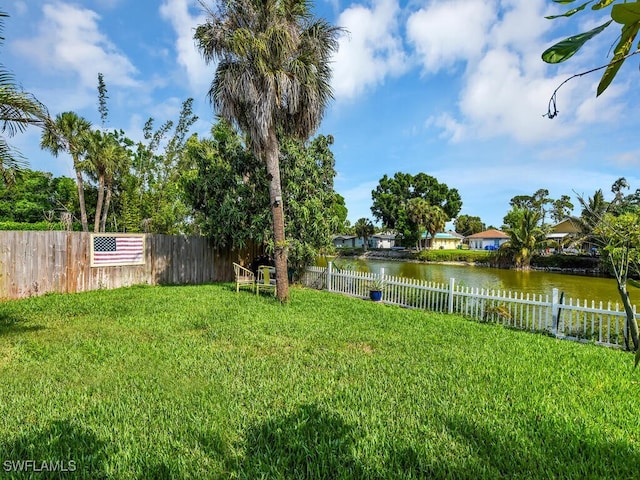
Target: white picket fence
(563, 318)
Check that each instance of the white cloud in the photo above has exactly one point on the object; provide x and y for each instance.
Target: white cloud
(69, 40)
(506, 86)
(447, 32)
(370, 51)
(358, 200)
(176, 12)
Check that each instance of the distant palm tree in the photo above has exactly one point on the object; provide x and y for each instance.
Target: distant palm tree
(18, 110)
(69, 133)
(417, 211)
(364, 229)
(272, 79)
(435, 221)
(105, 157)
(525, 236)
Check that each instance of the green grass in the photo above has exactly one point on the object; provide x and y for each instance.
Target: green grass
(201, 382)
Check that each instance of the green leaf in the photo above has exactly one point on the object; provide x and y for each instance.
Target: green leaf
(569, 12)
(601, 4)
(564, 2)
(626, 13)
(624, 45)
(566, 48)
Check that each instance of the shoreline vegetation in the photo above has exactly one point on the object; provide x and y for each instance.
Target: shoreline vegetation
(570, 264)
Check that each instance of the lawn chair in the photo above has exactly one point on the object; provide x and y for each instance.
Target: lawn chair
(266, 279)
(244, 277)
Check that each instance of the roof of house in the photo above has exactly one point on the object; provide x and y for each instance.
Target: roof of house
(567, 225)
(344, 237)
(384, 236)
(489, 234)
(444, 236)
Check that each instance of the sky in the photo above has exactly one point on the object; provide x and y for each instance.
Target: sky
(452, 88)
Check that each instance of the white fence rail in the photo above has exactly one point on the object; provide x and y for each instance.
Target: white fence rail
(563, 318)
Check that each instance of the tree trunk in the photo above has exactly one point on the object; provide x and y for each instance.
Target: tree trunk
(631, 318)
(105, 210)
(96, 222)
(272, 160)
(83, 209)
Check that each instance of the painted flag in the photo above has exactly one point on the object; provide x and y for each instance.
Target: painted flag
(117, 249)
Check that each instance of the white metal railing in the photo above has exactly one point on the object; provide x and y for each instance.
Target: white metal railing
(563, 318)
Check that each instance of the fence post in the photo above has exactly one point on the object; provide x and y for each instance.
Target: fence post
(329, 271)
(452, 285)
(555, 310)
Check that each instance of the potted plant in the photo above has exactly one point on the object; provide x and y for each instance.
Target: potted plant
(376, 286)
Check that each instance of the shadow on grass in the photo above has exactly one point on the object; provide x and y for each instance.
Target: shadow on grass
(308, 443)
(14, 325)
(69, 451)
(546, 448)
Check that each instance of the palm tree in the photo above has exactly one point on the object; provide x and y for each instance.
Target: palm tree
(272, 79)
(364, 228)
(18, 110)
(525, 235)
(104, 157)
(436, 219)
(417, 211)
(69, 133)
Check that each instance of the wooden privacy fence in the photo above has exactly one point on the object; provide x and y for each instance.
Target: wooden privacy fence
(569, 319)
(34, 263)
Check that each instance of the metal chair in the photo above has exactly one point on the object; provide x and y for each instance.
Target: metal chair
(244, 277)
(266, 279)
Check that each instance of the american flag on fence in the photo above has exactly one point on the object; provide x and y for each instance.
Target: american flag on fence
(117, 249)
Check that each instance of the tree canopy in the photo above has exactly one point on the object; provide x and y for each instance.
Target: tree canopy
(392, 196)
(229, 193)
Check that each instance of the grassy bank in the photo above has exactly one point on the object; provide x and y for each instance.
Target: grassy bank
(201, 382)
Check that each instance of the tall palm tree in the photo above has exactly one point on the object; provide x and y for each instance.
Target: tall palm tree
(272, 79)
(18, 110)
(417, 211)
(69, 133)
(104, 157)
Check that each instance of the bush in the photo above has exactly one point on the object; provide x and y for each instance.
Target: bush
(470, 256)
(564, 261)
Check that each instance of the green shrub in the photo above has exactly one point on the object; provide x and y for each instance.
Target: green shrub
(470, 256)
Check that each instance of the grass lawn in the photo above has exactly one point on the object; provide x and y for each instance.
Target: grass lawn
(202, 382)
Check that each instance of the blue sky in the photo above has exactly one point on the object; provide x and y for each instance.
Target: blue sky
(452, 88)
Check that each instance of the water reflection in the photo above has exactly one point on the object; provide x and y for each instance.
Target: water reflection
(574, 286)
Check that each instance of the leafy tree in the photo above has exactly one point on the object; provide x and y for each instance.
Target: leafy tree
(69, 133)
(525, 235)
(364, 229)
(561, 208)
(229, 193)
(468, 225)
(621, 243)
(151, 198)
(624, 13)
(272, 77)
(18, 109)
(391, 197)
(537, 201)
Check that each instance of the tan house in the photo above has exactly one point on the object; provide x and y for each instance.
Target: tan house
(488, 240)
(445, 240)
(568, 234)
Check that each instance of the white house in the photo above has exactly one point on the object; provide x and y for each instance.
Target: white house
(382, 240)
(487, 240)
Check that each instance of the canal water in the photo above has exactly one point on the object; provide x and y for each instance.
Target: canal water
(578, 287)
